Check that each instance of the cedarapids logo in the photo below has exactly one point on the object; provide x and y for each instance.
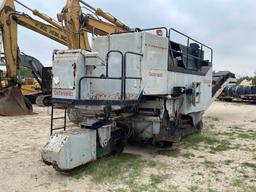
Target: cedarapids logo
(155, 74)
(63, 93)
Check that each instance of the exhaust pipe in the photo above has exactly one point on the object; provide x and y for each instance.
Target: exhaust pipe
(13, 103)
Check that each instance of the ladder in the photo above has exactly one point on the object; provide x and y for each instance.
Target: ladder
(58, 118)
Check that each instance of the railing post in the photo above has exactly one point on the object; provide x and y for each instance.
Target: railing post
(52, 120)
(187, 52)
(125, 62)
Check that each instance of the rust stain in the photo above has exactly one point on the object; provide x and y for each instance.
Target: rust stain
(115, 96)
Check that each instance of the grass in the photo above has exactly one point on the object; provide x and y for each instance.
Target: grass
(157, 179)
(235, 127)
(169, 152)
(124, 168)
(212, 126)
(212, 190)
(249, 165)
(215, 145)
(175, 153)
(113, 168)
(209, 164)
(231, 135)
(216, 119)
(239, 132)
(153, 186)
(151, 163)
(187, 155)
(228, 162)
(243, 187)
(193, 188)
(250, 136)
(197, 139)
(223, 145)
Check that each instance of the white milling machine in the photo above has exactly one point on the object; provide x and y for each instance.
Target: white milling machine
(135, 86)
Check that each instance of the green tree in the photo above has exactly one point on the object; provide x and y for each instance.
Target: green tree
(25, 72)
(252, 78)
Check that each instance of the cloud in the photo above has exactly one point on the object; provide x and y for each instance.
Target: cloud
(226, 25)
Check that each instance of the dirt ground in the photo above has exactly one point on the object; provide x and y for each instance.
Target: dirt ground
(221, 158)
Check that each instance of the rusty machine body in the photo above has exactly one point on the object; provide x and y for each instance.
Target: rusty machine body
(127, 85)
(130, 85)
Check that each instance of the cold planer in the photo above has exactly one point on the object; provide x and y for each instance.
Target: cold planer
(135, 86)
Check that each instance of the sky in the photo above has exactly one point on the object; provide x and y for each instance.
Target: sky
(228, 26)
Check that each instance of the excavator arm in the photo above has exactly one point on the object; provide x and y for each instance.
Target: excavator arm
(42, 28)
(9, 19)
(78, 24)
(12, 102)
(73, 34)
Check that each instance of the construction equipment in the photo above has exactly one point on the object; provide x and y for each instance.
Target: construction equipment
(53, 30)
(77, 24)
(133, 85)
(12, 102)
(239, 93)
(221, 80)
(40, 91)
(245, 92)
(37, 88)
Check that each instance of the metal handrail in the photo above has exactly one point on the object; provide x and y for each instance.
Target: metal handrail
(188, 42)
(107, 60)
(107, 73)
(192, 56)
(124, 75)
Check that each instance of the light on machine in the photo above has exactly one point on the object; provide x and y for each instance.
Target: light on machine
(159, 32)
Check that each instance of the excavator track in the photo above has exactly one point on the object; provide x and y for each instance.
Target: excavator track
(43, 100)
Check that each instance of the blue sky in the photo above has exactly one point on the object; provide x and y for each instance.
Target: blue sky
(226, 25)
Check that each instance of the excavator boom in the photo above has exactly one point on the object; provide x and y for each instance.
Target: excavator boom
(78, 24)
(74, 35)
(12, 102)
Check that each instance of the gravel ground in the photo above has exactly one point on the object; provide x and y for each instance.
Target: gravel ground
(221, 158)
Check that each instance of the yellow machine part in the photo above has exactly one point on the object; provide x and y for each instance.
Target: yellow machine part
(30, 86)
(28, 90)
(13, 103)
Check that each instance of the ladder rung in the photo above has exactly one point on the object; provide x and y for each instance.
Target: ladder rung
(59, 118)
(58, 128)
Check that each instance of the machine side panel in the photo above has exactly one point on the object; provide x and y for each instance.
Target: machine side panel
(155, 59)
(67, 150)
(110, 89)
(67, 69)
(204, 95)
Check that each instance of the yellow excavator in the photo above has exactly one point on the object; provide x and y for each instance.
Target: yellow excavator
(74, 34)
(12, 102)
